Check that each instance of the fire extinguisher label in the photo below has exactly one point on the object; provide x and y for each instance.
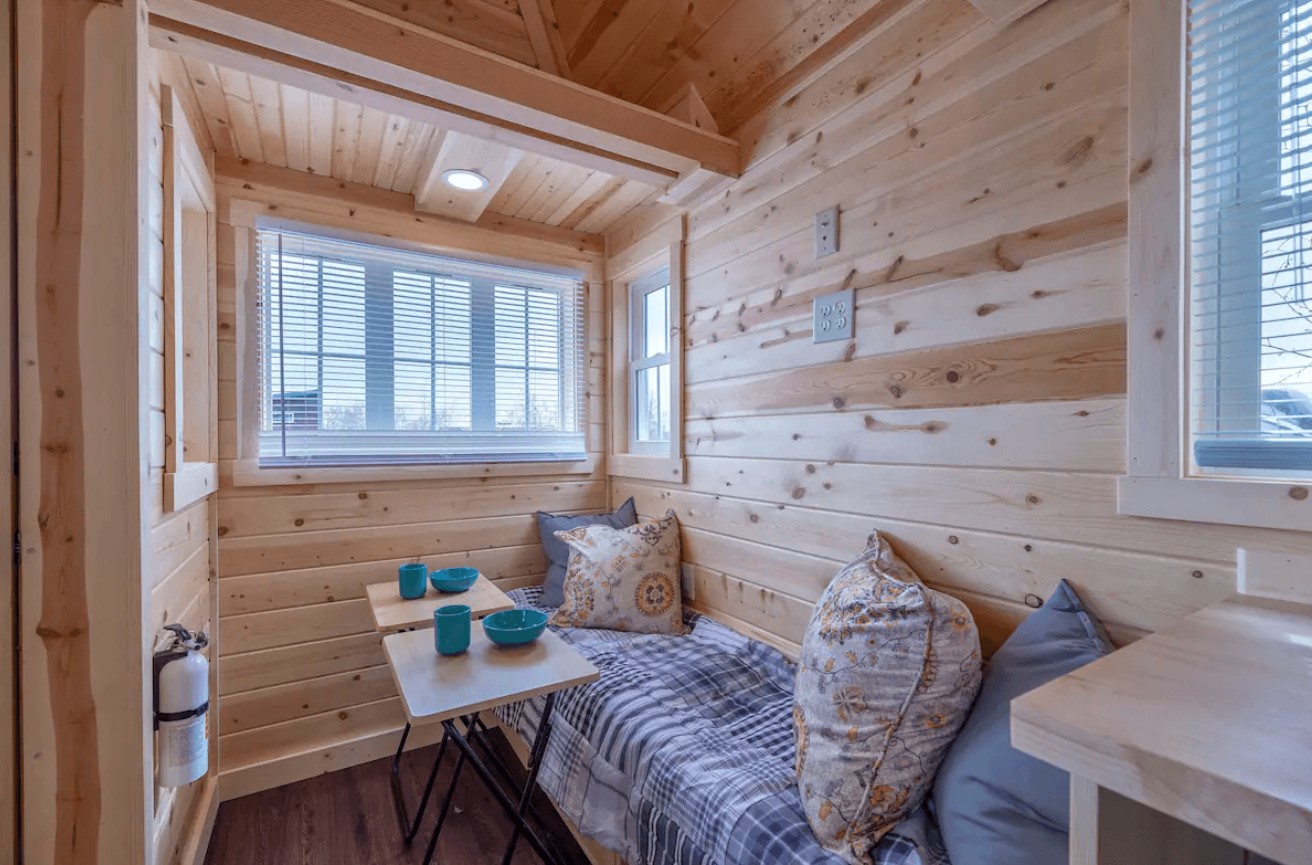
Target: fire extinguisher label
(186, 740)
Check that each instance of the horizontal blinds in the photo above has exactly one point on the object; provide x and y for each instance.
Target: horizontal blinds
(1250, 178)
(373, 354)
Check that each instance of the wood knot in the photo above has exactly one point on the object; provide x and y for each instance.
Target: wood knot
(1144, 167)
(1298, 494)
(1079, 151)
(840, 402)
(895, 390)
(1032, 499)
(900, 326)
(810, 469)
(932, 426)
(799, 492)
(300, 521)
(986, 309)
(953, 539)
(362, 495)
(1197, 575)
(754, 518)
(223, 530)
(952, 376)
(1033, 601)
(1029, 548)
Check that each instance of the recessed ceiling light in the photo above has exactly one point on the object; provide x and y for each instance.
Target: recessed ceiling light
(464, 179)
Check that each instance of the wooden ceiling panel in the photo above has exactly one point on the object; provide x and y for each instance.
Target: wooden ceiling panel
(458, 151)
(492, 26)
(249, 118)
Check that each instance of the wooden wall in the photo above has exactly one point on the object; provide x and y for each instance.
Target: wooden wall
(82, 193)
(304, 685)
(978, 418)
(178, 560)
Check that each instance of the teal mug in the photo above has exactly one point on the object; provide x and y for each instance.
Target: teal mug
(414, 580)
(451, 628)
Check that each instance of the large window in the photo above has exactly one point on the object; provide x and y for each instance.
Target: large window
(371, 354)
(1250, 219)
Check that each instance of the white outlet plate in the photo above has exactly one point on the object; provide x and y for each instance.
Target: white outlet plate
(833, 314)
(826, 232)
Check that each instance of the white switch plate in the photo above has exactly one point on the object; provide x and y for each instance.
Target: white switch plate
(833, 314)
(826, 232)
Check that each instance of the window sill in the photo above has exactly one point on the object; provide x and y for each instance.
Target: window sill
(647, 467)
(1226, 501)
(247, 473)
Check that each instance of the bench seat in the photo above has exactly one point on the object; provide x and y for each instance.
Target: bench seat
(682, 753)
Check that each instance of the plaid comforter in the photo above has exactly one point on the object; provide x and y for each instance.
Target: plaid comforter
(682, 753)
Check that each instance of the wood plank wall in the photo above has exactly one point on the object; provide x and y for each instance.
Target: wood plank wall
(304, 686)
(178, 562)
(82, 127)
(979, 416)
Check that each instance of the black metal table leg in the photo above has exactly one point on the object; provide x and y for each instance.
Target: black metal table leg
(453, 733)
(409, 829)
(518, 810)
(535, 753)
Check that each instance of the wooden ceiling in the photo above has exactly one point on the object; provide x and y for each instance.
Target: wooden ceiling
(712, 62)
(266, 122)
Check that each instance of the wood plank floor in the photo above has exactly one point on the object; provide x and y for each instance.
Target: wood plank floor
(347, 818)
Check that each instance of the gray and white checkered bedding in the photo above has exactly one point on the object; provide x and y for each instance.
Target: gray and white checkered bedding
(682, 753)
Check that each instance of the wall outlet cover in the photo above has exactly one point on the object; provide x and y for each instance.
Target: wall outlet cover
(826, 232)
(833, 314)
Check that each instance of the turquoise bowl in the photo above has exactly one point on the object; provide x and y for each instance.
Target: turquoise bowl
(453, 579)
(515, 627)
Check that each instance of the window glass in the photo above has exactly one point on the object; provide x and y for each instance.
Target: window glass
(375, 354)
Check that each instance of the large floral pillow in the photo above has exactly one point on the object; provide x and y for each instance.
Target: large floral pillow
(623, 579)
(887, 674)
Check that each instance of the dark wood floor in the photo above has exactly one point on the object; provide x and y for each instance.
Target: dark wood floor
(347, 818)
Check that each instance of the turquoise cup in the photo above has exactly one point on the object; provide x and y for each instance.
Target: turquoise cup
(414, 580)
(451, 628)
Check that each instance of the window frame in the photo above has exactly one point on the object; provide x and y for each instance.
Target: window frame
(639, 290)
(1160, 480)
(244, 469)
(189, 314)
(639, 271)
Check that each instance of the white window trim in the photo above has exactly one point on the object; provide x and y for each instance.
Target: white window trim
(245, 469)
(1159, 482)
(629, 459)
(637, 293)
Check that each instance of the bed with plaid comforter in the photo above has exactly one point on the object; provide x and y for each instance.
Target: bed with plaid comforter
(682, 753)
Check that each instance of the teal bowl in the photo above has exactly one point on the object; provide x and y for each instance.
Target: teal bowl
(515, 627)
(453, 579)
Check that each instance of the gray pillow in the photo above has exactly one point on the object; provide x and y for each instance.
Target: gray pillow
(553, 591)
(993, 803)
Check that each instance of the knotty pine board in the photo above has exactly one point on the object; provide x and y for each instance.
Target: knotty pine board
(979, 416)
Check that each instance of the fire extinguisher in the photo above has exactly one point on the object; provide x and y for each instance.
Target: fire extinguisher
(182, 699)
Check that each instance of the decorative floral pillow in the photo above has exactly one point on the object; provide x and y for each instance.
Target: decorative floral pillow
(623, 579)
(888, 671)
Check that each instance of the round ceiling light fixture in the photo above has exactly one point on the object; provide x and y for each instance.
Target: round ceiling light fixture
(464, 179)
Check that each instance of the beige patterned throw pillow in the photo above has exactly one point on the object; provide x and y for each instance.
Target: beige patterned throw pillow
(888, 671)
(623, 579)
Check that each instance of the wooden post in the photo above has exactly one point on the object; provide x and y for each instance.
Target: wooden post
(86, 758)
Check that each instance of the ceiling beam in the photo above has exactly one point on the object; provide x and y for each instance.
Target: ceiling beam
(1003, 12)
(455, 150)
(544, 35)
(360, 52)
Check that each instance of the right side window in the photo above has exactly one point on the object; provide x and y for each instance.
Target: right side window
(1249, 246)
(649, 363)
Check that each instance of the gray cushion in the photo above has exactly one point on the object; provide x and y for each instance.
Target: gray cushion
(994, 804)
(553, 594)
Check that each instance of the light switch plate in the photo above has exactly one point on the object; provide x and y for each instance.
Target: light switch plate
(833, 315)
(826, 232)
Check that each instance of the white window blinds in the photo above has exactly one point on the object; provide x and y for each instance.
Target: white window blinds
(372, 354)
(1250, 214)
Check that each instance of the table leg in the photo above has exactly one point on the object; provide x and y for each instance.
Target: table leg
(517, 810)
(535, 753)
(454, 734)
(411, 828)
